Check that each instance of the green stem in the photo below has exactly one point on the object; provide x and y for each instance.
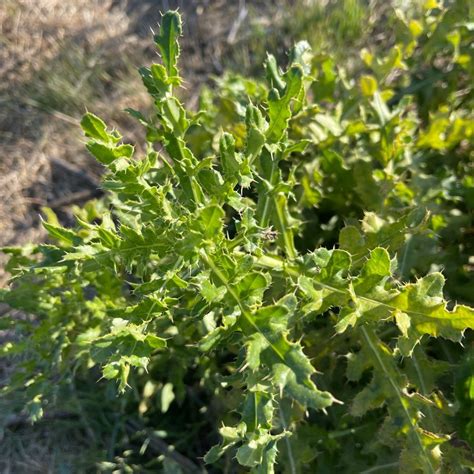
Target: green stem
(421, 379)
(271, 203)
(371, 340)
(380, 467)
(286, 232)
(247, 322)
(291, 459)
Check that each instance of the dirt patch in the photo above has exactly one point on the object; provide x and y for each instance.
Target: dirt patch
(55, 57)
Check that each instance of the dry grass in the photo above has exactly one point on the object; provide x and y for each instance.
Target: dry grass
(43, 450)
(56, 57)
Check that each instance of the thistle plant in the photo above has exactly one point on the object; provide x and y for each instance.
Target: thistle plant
(201, 259)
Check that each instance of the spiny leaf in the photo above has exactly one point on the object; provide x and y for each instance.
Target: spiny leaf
(230, 161)
(257, 410)
(167, 41)
(108, 154)
(423, 303)
(389, 387)
(95, 128)
(279, 106)
(255, 450)
(230, 437)
(62, 235)
(273, 74)
(291, 368)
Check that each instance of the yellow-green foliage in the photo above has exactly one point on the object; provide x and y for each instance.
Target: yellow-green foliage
(278, 256)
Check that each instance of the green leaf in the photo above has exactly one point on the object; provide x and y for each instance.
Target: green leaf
(291, 368)
(273, 73)
(257, 411)
(229, 159)
(254, 451)
(388, 387)
(167, 41)
(107, 154)
(210, 220)
(424, 304)
(230, 437)
(111, 371)
(252, 286)
(256, 126)
(62, 235)
(381, 109)
(155, 341)
(256, 344)
(301, 54)
(95, 128)
(156, 80)
(174, 116)
(368, 85)
(279, 106)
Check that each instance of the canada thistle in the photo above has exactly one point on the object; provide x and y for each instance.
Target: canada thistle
(203, 291)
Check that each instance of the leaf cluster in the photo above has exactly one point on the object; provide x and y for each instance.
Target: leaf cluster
(274, 254)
